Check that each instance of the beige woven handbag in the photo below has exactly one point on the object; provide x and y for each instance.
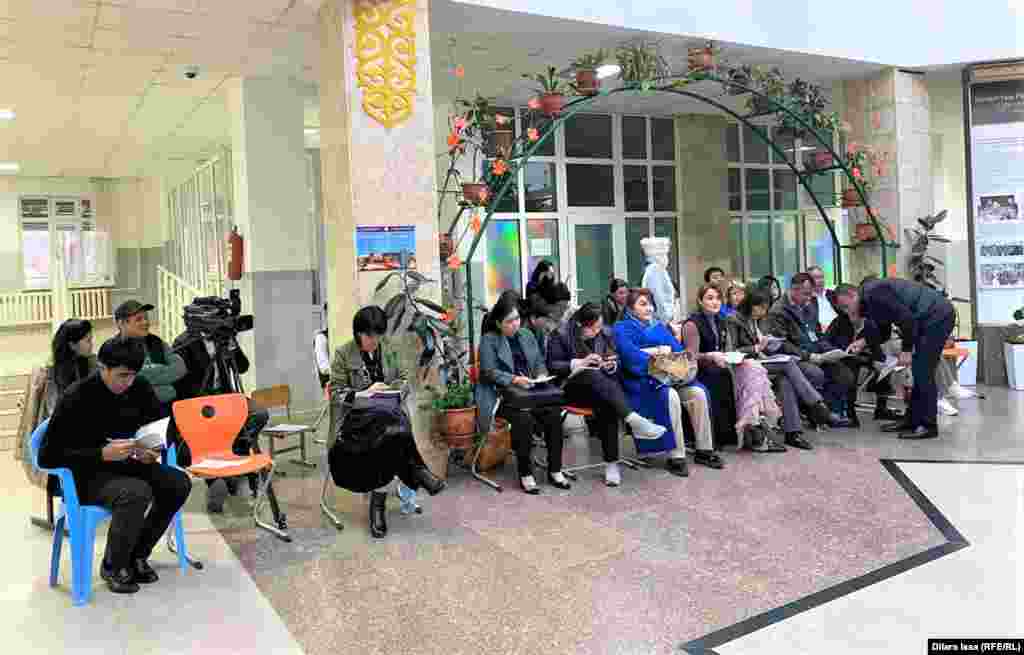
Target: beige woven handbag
(679, 368)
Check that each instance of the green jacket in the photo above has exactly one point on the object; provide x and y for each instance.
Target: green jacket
(349, 376)
(162, 376)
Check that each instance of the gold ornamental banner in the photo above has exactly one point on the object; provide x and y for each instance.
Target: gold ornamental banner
(385, 50)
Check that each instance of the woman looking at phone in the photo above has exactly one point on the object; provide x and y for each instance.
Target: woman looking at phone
(582, 353)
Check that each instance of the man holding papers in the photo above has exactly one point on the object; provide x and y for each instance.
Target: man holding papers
(925, 318)
(795, 319)
(94, 431)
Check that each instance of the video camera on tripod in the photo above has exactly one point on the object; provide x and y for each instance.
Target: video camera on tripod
(218, 319)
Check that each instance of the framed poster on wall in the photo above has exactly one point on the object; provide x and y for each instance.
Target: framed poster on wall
(994, 113)
(380, 247)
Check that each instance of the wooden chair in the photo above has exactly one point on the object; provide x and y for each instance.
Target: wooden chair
(276, 398)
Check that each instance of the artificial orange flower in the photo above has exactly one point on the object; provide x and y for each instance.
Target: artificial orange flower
(454, 141)
(532, 134)
(446, 317)
(474, 223)
(500, 119)
(534, 103)
(851, 148)
(873, 212)
(454, 262)
(856, 173)
(459, 71)
(459, 123)
(499, 167)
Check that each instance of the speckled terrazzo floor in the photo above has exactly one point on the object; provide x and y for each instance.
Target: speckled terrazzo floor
(638, 569)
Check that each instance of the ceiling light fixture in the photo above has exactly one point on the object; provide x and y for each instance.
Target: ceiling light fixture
(608, 70)
(9, 167)
(6, 114)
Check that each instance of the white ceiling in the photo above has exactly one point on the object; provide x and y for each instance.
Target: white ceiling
(98, 87)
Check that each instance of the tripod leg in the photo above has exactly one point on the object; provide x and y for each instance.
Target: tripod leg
(281, 529)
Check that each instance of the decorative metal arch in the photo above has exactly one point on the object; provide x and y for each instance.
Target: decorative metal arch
(673, 84)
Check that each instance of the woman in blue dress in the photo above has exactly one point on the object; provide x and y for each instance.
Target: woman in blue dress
(638, 336)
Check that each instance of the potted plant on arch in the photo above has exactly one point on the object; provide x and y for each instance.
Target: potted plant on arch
(469, 126)
(860, 160)
(550, 91)
(701, 60)
(771, 85)
(587, 82)
(641, 63)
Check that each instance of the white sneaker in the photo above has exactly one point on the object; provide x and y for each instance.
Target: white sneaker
(612, 476)
(958, 392)
(643, 428)
(947, 408)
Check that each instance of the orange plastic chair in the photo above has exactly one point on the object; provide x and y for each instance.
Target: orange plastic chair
(209, 425)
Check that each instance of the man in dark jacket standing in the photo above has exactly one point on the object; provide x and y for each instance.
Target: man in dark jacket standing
(925, 318)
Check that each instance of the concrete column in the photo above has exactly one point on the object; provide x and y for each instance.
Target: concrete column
(702, 178)
(889, 112)
(270, 209)
(374, 175)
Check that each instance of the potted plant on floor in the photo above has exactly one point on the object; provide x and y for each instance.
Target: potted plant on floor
(922, 266)
(550, 91)
(587, 83)
(456, 414)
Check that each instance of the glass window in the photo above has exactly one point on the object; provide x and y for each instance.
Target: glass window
(787, 247)
(590, 185)
(664, 188)
(539, 122)
(823, 187)
(634, 137)
(589, 136)
(820, 250)
(595, 261)
(510, 126)
(663, 139)
(509, 202)
(736, 242)
(634, 180)
(785, 190)
(541, 190)
(636, 229)
(755, 150)
(786, 143)
(732, 143)
(501, 266)
(758, 198)
(735, 190)
(35, 254)
(759, 240)
(542, 244)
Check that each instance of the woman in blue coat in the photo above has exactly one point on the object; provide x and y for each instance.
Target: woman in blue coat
(638, 336)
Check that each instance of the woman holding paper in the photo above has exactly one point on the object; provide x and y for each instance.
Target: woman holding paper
(582, 352)
(510, 357)
(744, 334)
(371, 440)
(639, 338)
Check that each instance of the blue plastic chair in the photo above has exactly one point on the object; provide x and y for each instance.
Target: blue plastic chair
(82, 522)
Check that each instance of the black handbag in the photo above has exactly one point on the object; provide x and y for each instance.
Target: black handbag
(370, 422)
(539, 395)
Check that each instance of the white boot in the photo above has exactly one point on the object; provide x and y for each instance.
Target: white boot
(643, 428)
(947, 408)
(612, 476)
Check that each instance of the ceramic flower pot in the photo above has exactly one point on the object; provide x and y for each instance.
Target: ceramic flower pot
(445, 246)
(551, 103)
(503, 142)
(587, 82)
(475, 192)
(851, 198)
(458, 427)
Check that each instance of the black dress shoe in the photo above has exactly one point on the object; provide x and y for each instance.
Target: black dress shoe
(708, 458)
(920, 432)
(121, 581)
(820, 414)
(677, 466)
(902, 426)
(232, 486)
(143, 573)
(886, 414)
(433, 484)
(555, 483)
(378, 506)
(796, 440)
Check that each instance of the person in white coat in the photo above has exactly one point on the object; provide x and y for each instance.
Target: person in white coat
(657, 279)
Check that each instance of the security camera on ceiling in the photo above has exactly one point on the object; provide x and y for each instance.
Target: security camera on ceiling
(190, 72)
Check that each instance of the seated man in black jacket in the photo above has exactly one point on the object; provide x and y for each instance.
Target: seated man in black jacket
(113, 403)
(795, 319)
(207, 376)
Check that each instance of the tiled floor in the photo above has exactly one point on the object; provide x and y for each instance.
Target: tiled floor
(644, 568)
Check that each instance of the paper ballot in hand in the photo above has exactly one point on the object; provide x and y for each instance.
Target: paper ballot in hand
(151, 436)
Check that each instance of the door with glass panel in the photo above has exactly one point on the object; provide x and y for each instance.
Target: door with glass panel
(598, 246)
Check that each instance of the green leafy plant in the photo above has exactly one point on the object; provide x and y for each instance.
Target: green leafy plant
(590, 60)
(768, 82)
(456, 395)
(406, 311)
(922, 266)
(861, 160)
(641, 63)
(548, 83)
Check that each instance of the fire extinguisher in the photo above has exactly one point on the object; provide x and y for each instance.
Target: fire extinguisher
(235, 254)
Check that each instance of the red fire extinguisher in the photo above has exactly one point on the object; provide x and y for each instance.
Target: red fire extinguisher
(235, 254)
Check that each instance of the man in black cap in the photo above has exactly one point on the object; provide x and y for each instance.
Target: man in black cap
(112, 403)
(925, 318)
(162, 367)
